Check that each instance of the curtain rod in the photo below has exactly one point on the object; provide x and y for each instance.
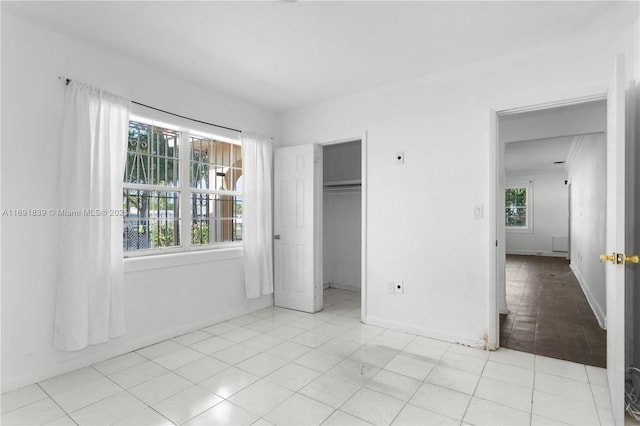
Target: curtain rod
(68, 80)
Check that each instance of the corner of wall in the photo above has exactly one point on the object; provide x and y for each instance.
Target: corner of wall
(479, 343)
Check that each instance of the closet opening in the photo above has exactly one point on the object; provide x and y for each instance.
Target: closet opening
(342, 227)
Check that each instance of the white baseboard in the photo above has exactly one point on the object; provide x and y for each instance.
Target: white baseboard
(343, 287)
(96, 354)
(593, 303)
(538, 253)
(434, 334)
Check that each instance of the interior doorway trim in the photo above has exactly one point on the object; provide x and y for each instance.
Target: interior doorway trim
(497, 256)
(363, 212)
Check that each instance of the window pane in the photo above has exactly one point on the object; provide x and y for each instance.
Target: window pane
(151, 220)
(152, 155)
(516, 197)
(234, 179)
(516, 207)
(214, 164)
(516, 216)
(216, 218)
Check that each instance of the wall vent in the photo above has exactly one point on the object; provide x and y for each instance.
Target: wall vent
(560, 244)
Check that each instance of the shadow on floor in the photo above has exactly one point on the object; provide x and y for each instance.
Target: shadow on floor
(548, 312)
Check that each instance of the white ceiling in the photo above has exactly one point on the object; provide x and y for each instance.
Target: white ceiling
(535, 140)
(284, 55)
(537, 155)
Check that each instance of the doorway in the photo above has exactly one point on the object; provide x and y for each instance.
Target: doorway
(548, 303)
(548, 312)
(342, 226)
(298, 227)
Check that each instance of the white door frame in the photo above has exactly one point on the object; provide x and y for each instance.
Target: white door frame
(497, 262)
(363, 211)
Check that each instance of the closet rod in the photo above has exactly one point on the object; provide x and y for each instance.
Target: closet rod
(338, 188)
(343, 185)
(68, 80)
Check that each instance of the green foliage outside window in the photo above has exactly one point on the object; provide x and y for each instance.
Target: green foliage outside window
(516, 207)
(163, 234)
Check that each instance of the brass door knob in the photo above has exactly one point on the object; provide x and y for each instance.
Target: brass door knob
(619, 258)
(605, 258)
(632, 259)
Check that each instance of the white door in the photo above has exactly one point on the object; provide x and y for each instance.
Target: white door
(615, 239)
(297, 219)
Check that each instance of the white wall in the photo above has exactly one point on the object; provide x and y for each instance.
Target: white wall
(419, 215)
(160, 302)
(587, 174)
(549, 211)
(342, 239)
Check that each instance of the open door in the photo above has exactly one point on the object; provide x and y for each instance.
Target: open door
(616, 258)
(297, 218)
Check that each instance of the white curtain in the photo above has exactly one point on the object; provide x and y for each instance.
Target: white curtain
(89, 299)
(257, 153)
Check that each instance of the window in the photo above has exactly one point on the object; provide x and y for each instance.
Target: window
(518, 208)
(182, 190)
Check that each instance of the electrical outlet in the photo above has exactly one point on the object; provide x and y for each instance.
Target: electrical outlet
(391, 287)
(399, 287)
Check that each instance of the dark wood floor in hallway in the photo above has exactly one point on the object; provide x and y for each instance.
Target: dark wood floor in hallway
(548, 312)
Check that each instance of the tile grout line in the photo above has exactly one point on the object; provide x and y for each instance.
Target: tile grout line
(29, 403)
(231, 366)
(466, 410)
(293, 362)
(55, 402)
(533, 390)
(593, 397)
(148, 406)
(297, 392)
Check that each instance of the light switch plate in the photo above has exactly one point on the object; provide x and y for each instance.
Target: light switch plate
(478, 211)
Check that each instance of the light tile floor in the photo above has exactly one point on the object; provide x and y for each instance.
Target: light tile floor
(277, 366)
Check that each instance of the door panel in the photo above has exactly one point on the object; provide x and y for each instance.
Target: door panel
(615, 239)
(296, 213)
(632, 273)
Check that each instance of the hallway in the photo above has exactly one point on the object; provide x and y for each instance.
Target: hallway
(548, 312)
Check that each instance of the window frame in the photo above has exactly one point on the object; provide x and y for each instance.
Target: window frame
(528, 228)
(184, 189)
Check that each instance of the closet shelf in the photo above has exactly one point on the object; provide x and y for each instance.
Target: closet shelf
(342, 186)
(339, 183)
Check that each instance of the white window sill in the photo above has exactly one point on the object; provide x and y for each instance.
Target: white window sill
(143, 263)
